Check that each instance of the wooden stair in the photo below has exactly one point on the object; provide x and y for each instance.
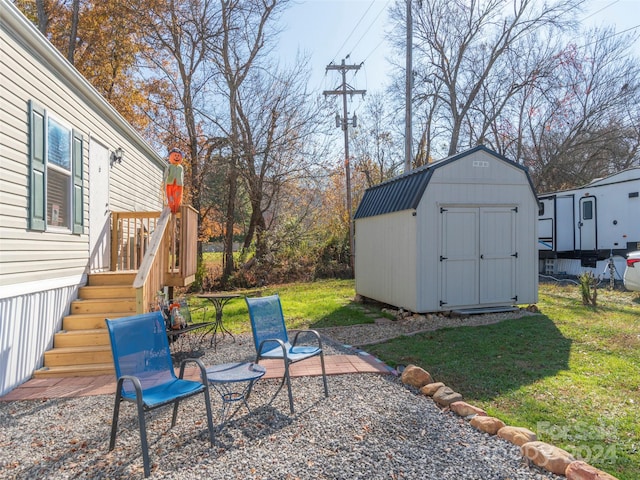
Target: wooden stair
(82, 347)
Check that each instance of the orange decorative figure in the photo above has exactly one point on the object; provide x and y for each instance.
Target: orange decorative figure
(174, 180)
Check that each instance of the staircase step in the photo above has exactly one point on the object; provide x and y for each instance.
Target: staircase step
(77, 356)
(83, 348)
(90, 321)
(112, 278)
(81, 338)
(106, 291)
(104, 305)
(76, 371)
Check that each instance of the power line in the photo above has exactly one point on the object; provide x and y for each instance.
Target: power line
(610, 36)
(603, 8)
(371, 24)
(373, 50)
(354, 29)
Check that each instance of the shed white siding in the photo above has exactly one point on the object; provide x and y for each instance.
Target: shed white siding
(40, 271)
(473, 229)
(391, 277)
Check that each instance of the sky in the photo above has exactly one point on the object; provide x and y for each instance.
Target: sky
(329, 30)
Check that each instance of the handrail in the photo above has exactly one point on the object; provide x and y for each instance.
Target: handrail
(150, 277)
(162, 247)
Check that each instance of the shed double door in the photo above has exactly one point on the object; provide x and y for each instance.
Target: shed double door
(478, 256)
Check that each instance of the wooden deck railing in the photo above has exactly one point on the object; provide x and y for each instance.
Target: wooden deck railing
(130, 235)
(146, 241)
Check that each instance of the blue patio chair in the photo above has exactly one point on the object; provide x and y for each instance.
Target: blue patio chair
(272, 341)
(145, 373)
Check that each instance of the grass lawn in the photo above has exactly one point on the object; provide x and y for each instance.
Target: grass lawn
(570, 374)
(326, 303)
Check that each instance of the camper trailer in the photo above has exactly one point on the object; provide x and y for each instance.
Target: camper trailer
(591, 227)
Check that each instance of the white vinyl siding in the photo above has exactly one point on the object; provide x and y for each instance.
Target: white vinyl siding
(32, 72)
(41, 269)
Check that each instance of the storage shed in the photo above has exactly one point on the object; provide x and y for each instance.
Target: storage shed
(458, 234)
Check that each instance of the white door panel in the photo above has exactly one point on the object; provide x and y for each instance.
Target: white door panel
(459, 259)
(99, 225)
(497, 250)
(587, 223)
(478, 257)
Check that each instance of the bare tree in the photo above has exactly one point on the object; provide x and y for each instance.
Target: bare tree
(467, 48)
(244, 26)
(180, 36)
(582, 122)
(277, 125)
(375, 144)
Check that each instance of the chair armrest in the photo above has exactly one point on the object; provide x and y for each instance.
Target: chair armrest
(197, 310)
(313, 332)
(280, 342)
(197, 361)
(137, 386)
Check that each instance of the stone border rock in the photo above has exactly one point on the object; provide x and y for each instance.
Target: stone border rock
(542, 454)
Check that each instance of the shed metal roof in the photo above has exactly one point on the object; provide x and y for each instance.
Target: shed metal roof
(405, 191)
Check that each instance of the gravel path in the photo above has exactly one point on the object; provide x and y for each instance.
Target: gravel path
(370, 427)
(384, 329)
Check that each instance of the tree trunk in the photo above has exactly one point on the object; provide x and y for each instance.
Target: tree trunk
(227, 261)
(73, 33)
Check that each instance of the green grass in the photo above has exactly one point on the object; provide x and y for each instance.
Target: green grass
(320, 304)
(571, 374)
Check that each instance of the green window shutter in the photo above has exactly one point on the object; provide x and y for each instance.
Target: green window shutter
(37, 168)
(78, 170)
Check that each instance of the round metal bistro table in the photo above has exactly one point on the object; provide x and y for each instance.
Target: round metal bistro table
(234, 381)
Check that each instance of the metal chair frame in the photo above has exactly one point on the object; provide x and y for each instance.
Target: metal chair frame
(170, 390)
(278, 346)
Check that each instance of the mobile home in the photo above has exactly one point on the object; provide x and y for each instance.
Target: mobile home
(68, 161)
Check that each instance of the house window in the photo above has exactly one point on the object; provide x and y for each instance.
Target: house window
(56, 174)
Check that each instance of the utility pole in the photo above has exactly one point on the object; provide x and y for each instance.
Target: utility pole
(408, 91)
(344, 90)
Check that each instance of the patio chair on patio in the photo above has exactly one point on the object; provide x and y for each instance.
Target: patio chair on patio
(272, 341)
(177, 332)
(145, 373)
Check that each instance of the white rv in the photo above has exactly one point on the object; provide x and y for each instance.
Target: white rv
(586, 227)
